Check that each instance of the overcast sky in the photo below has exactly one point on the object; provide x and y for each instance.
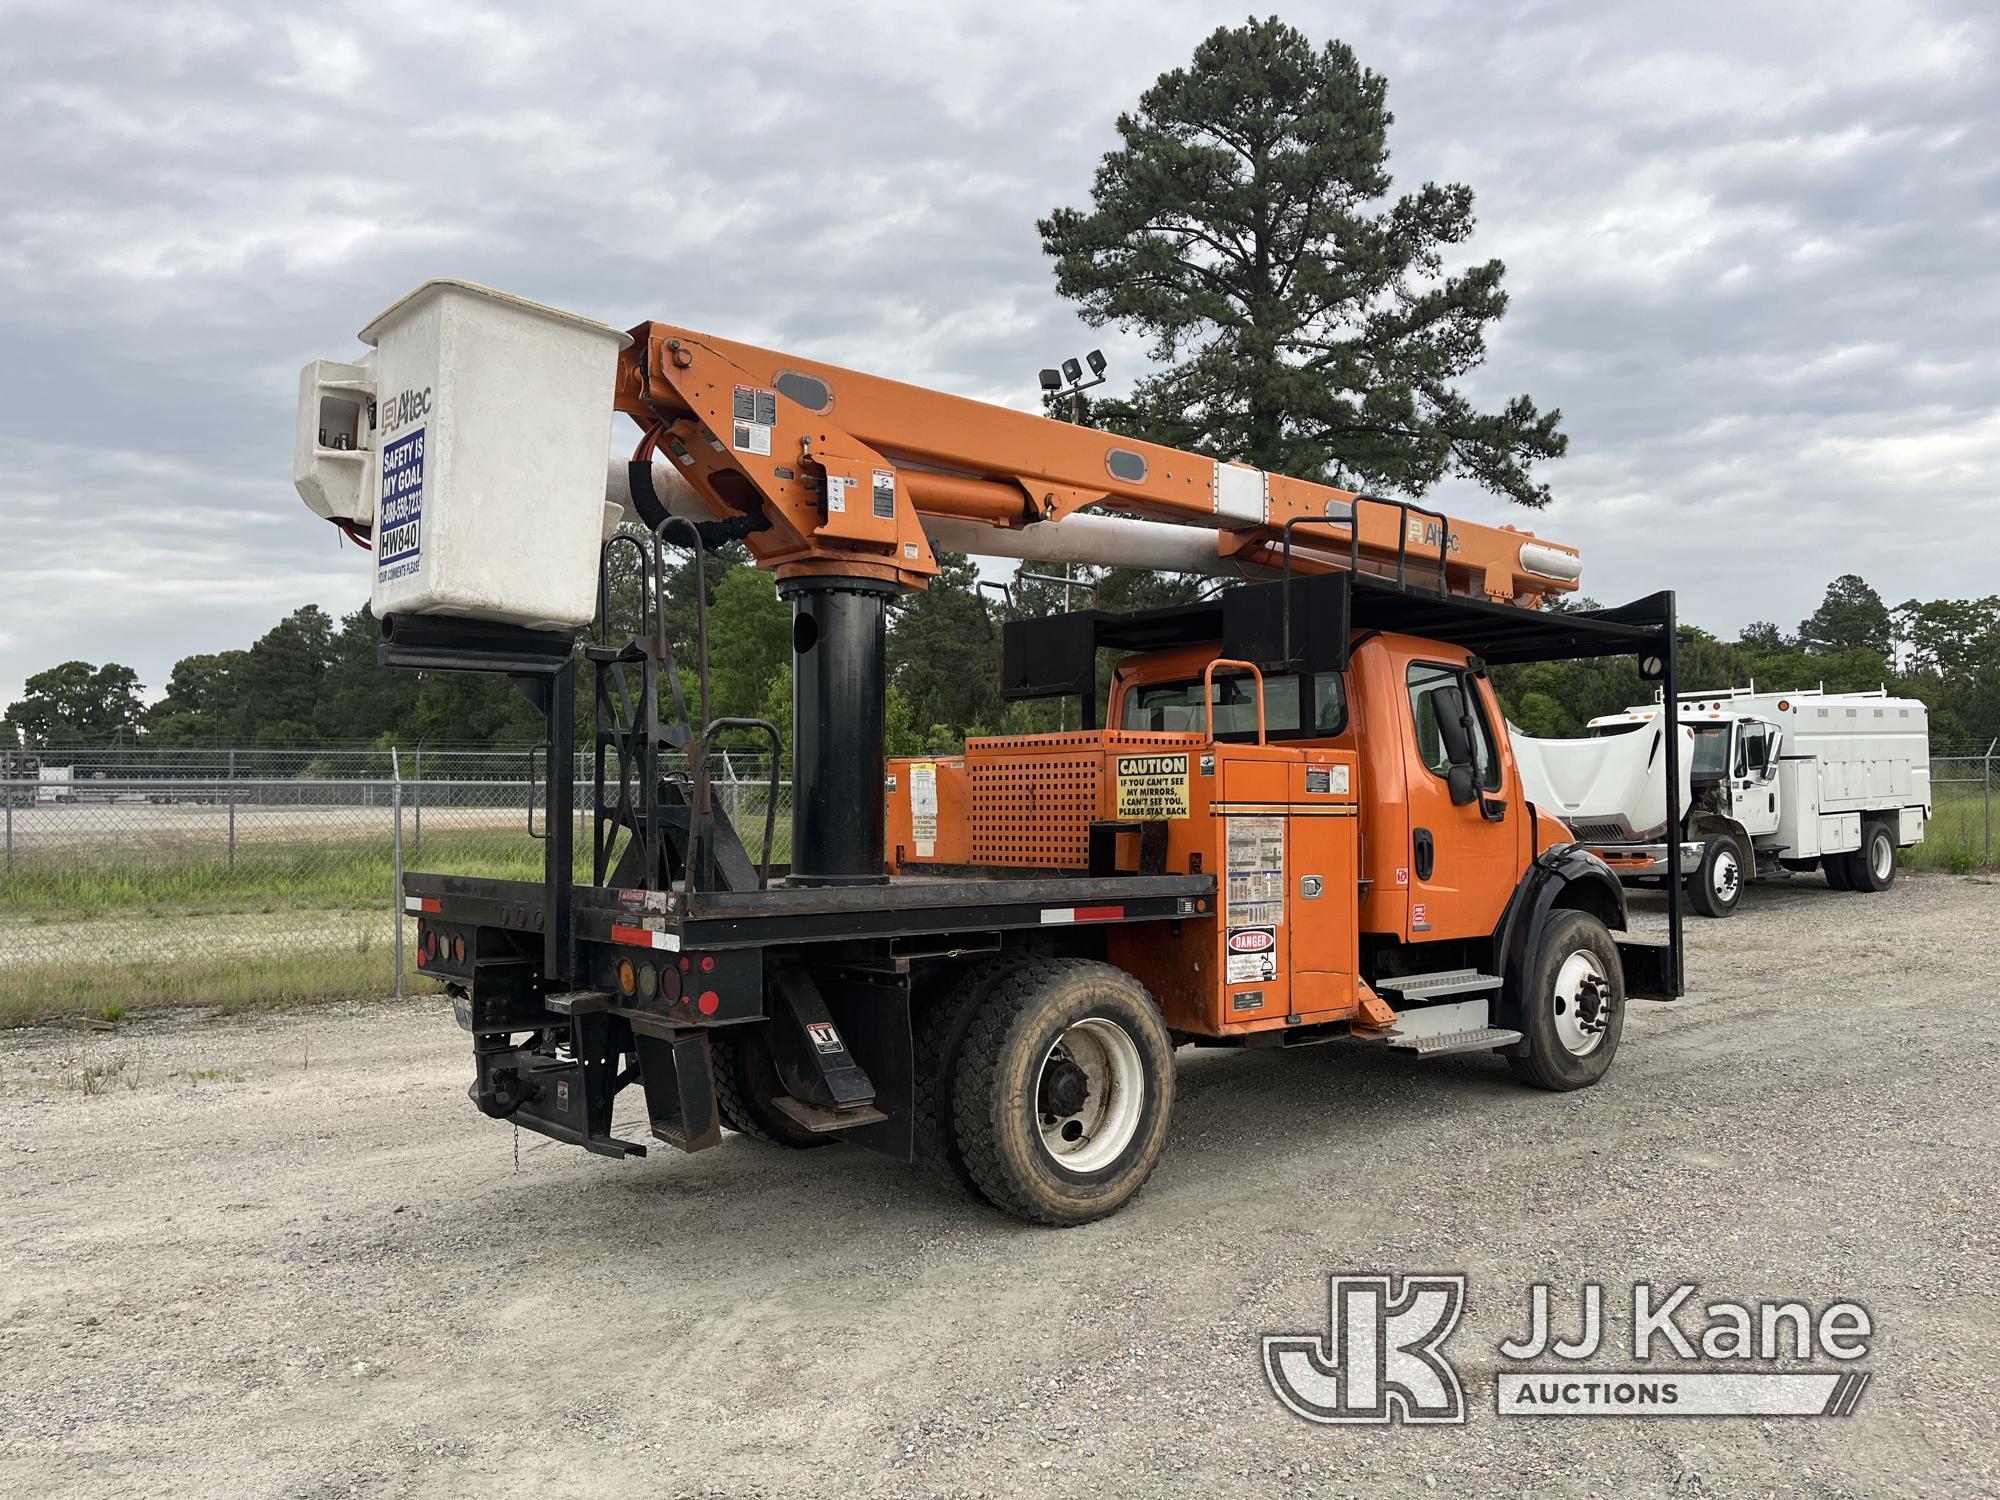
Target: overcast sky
(1752, 250)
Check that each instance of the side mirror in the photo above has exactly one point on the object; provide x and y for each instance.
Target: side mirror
(1771, 748)
(1455, 731)
(1449, 705)
(1464, 787)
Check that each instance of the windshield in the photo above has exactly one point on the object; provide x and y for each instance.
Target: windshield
(1176, 706)
(1711, 750)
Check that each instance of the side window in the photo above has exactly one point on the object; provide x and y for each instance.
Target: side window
(1425, 680)
(1752, 749)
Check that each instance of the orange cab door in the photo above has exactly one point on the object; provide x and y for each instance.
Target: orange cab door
(1464, 860)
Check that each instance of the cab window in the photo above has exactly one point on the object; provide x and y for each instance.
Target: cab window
(1753, 749)
(1294, 707)
(1711, 750)
(1425, 679)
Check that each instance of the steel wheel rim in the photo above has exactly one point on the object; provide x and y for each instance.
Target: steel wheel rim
(1725, 874)
(1582, 1002)
(1881, 855)
(1093, 1136)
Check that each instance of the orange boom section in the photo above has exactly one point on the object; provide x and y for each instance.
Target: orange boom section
(843, 466)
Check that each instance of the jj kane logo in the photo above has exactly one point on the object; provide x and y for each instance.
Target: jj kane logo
(1382, 1357)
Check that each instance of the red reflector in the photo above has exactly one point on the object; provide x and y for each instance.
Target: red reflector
(430, 903)
(709, 1003)
(686, 963)
(1100, 914)
(638, 935)
(708, 963)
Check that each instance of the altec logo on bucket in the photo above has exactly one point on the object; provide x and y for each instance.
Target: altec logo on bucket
(1382, 1358)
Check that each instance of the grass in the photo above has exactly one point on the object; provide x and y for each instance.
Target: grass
(345, 875)
(348, 875)
(44, 991)
(1955, 841)
(54, 963)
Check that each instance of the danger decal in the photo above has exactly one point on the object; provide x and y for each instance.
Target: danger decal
(1253, 955)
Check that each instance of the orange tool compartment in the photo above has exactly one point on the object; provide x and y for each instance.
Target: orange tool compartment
(1275, 825)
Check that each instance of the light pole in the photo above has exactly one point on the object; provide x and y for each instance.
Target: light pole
(1069, 381)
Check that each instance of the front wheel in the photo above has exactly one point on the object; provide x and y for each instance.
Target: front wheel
(1574, 1005)
(1872, 867)
(1716, 887)
(1064, 1083)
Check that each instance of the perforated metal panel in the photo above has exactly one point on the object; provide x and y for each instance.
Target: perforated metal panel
(1033, 810)
(1032, 798)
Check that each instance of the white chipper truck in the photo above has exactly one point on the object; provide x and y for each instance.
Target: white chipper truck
(1772, 782)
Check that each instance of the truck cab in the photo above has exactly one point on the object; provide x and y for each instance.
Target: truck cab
(1791, 782)
(1431, 869)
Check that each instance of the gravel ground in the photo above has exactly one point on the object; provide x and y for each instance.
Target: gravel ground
(286, 1257)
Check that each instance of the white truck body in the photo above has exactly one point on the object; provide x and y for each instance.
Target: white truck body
(1796, 779)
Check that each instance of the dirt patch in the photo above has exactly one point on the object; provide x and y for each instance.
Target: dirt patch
(286, 1257)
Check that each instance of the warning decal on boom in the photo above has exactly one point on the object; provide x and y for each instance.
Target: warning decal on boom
(1151, 787)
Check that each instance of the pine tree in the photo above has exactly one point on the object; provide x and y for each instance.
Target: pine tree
(1306, 321)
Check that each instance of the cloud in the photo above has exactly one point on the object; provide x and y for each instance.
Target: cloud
(1751, 251)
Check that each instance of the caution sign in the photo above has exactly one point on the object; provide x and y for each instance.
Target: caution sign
(1152, 787)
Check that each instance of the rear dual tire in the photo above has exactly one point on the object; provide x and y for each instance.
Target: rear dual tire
(1870, 868)
(1061, 1092)
(746, 1081)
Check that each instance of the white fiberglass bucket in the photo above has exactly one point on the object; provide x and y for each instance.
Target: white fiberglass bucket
(493, 419)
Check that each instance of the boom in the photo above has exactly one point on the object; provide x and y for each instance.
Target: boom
(847, 468)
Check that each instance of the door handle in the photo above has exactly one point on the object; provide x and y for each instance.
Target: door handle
(1424, 850)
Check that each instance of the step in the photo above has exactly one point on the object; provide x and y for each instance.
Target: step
(1480, 1039)
(578, 1002)
(1431, 986)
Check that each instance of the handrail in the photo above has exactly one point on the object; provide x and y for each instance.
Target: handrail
(1208, 693)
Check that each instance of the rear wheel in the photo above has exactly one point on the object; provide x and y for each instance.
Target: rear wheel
(1716, 887)
(1574, 1007)
(939, 1039)
(746, 1081)
(1872, 867)
(1062, 1091)
(1839, 869)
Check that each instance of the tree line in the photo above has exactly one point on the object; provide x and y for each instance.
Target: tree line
(1302, 315)
(311, 680)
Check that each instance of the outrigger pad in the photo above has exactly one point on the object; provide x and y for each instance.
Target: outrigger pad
(1650, 971)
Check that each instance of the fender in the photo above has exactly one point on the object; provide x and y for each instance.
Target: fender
(1564, 868)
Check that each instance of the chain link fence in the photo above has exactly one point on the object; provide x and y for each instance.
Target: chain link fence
(255, 876)
(1965, 807)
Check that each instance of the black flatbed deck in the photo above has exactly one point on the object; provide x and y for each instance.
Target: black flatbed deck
(902, 906)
